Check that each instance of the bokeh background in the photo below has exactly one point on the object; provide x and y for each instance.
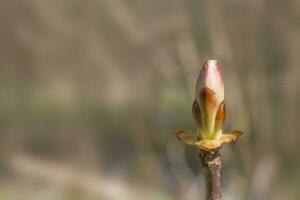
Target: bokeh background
(91, 92)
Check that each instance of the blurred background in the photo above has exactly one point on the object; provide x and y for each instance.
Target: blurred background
(92, 91)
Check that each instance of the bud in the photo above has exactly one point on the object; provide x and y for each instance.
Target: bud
(209, 111)
(211, 77)
(210, 99)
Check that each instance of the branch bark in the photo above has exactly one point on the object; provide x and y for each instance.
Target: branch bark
(211, 163)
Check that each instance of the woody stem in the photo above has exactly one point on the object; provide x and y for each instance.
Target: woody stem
(211, 163)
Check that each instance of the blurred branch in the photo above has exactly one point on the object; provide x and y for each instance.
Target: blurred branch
(99, 185)
(123, 17)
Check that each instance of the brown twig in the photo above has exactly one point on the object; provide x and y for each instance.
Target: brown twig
(211, 162)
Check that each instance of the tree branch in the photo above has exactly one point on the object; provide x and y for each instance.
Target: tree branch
(211, 163)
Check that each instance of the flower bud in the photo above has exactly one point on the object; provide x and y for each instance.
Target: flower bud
(209, 111)
(210, 99)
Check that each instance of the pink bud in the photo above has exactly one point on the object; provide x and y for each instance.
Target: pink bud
(210, 98)
(211, 77)
(209, 111)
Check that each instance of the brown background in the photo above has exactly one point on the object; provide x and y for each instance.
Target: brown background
(91, 92)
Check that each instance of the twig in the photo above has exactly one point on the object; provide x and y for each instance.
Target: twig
(211, 162)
